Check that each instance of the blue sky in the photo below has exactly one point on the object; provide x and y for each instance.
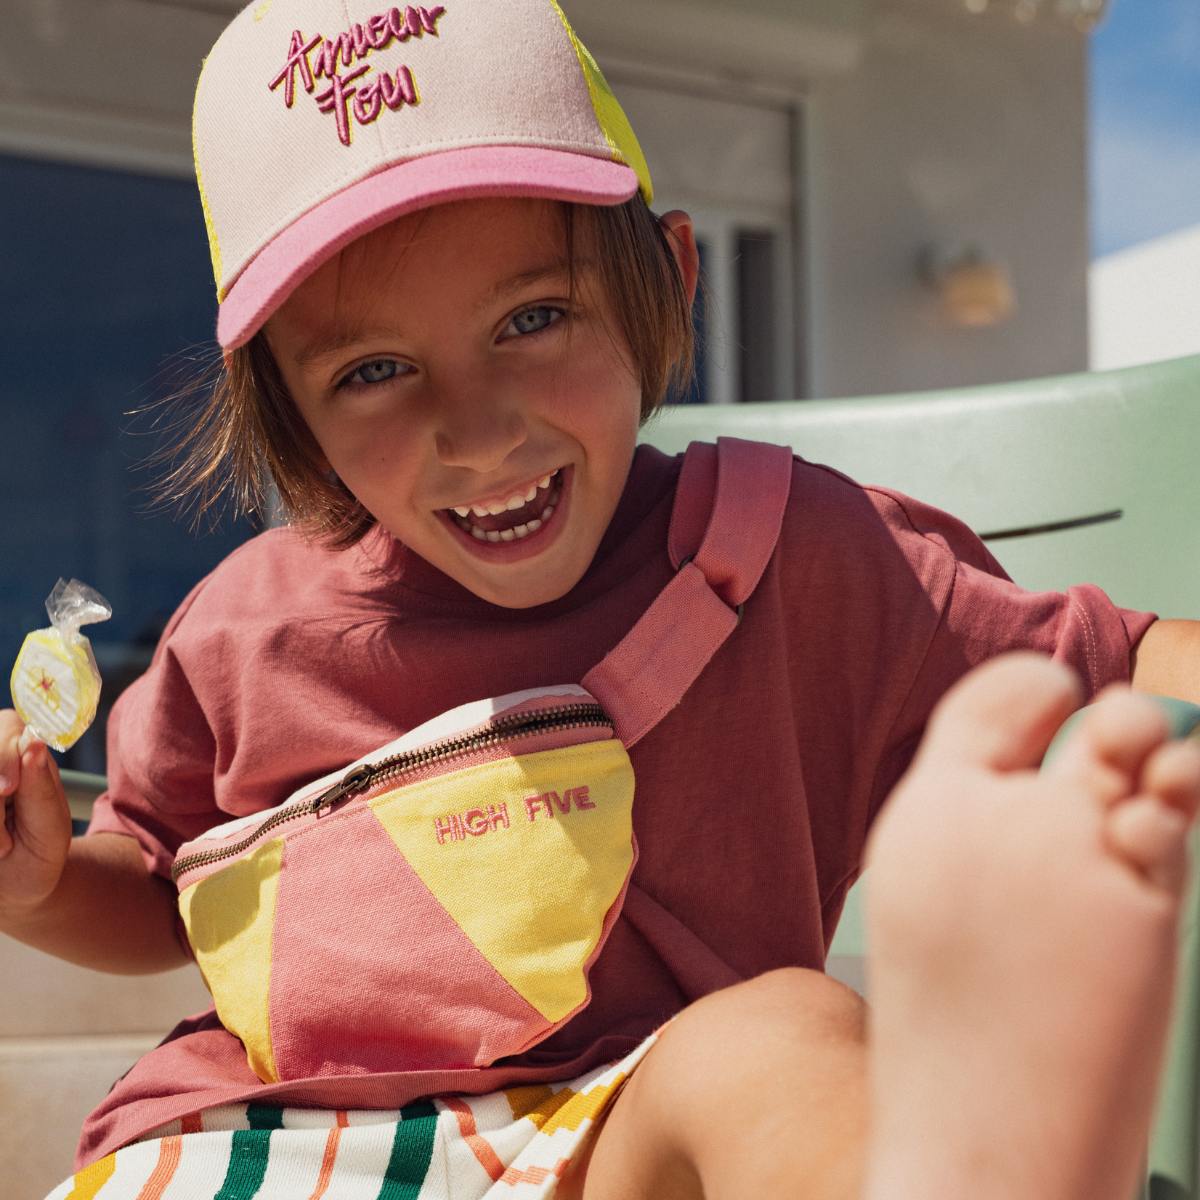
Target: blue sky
(1145, 134)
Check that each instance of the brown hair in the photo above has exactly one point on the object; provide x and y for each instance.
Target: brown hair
(248, 433)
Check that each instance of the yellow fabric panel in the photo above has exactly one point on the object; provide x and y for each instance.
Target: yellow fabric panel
(230, 918)
(528, 883)
(613, 122)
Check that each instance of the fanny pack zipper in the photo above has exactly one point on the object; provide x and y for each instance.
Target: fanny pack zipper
(365, 776)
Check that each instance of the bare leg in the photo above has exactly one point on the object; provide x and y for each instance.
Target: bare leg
(757, 1091)
(1023, 934)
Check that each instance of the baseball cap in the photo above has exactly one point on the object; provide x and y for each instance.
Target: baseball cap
(317, 121)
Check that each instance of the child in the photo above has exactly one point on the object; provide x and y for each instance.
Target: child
(446, 309)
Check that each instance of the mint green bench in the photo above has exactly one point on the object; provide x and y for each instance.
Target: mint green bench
(1080, 479)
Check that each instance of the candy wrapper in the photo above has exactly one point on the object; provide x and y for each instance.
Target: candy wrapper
(55, 681)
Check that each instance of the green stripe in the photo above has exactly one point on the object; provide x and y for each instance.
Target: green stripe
(262, 1116)
(249, 1153)
(412, 1151)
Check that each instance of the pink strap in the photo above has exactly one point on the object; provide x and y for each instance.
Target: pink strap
(729, 503)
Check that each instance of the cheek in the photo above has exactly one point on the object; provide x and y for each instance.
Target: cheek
(598, 397)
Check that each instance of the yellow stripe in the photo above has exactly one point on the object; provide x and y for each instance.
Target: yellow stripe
(614, 124)
(214, 247)
(91, 1179)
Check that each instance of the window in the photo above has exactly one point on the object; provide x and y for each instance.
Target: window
(105, 276)
(729, 163)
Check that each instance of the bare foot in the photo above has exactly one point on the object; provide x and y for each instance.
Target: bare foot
(1023, 943)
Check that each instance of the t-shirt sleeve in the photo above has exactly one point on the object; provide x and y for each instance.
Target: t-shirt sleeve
(984, 613)
(160, 759)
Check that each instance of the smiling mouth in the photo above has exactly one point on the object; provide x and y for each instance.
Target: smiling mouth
(528, 515)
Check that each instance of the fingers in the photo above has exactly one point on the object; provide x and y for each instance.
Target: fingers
(11, 729)
(1004, 714)
(41, 815)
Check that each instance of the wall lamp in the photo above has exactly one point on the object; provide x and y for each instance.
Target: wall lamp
(974, 290)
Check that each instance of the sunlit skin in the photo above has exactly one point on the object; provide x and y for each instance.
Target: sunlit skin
(440, 362)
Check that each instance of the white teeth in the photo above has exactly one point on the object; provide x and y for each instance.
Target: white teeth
(548, 513)
(522, 531)
(508, 535)
(535, 525)
(478, 534)
(499, 507)
(493, 536)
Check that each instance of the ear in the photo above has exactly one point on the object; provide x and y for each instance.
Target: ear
(681, 237)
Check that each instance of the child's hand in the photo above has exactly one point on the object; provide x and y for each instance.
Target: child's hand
(36, 832)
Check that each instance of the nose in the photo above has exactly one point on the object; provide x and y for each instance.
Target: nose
(478, 432)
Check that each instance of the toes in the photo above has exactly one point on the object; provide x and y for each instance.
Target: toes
(1112, 743)
(1152, 838)
(1003, 714)
(1172, 773)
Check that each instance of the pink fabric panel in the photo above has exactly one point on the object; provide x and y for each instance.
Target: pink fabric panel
(470, 173)
(364, 954)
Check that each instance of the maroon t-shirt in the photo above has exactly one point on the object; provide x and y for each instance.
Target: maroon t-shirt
(753, 796)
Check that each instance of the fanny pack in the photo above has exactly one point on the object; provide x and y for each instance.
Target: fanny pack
(438, 904)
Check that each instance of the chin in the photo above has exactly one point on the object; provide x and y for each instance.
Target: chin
(536, 588)
(522, 597)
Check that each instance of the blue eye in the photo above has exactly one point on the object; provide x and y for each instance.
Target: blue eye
(378, 370)
(534, 320)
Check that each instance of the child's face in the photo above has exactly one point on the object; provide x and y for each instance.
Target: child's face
(441, 366)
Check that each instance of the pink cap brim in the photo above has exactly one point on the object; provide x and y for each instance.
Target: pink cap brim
(464, 174)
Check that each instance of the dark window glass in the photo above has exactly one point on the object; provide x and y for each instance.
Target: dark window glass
(105, 275)
(757, 254)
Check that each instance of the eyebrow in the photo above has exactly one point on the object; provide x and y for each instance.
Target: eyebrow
(558, 269)
(331, 341)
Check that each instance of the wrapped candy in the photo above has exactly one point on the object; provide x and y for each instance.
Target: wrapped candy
(55, 681)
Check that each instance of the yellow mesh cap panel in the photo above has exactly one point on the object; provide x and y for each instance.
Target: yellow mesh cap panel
(214, 247)
(609, 113)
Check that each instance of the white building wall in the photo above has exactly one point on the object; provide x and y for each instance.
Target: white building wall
(1145, 303)
(923, 124)
(952, 129)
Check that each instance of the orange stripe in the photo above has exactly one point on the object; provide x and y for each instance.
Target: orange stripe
(489, 1160)
(191, 1124)
(534, 1175)
(170, 1150)
(331, 1149)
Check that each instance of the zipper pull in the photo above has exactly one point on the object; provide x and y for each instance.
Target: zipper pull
(354, 781)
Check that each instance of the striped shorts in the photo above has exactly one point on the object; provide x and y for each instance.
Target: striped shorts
(513, 1144)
